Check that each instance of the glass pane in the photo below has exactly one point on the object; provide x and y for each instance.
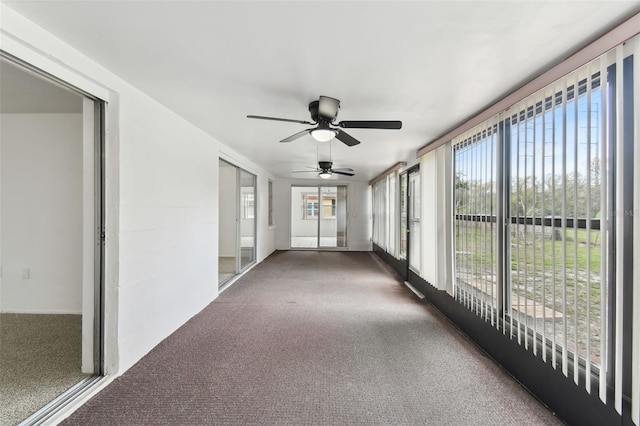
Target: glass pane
(475, 227)
(228, 228)
(556, 209)
(403, 216)
(391, 241)
(414, 216)
(341, 216)
(328, 223)
(305, 212)
(247, 218)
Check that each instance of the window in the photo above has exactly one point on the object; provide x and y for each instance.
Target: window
(474, 220)
(328, 207)
(379, 199)
(271, 222)
(549, 169)
(310, 206)
(386, 200)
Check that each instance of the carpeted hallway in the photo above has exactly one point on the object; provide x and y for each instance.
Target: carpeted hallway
(315, 338)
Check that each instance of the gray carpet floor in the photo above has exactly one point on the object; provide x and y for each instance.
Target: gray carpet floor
(40, 358)
(315, 338)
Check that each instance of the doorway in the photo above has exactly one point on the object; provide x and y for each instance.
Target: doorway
(237, 221)
(51, 245)
(318, 217)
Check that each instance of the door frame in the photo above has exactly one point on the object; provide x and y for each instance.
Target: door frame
(412, 170)
(318, 246)
(94, 140)
(238, 219)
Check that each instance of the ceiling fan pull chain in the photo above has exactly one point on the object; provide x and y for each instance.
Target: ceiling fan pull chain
(330, 153)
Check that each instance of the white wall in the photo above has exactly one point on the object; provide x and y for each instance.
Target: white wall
(162, 199)
(41, 175)
(358, 205)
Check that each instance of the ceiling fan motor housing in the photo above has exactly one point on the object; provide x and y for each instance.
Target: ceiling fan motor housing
(314, 110)
(325, 165)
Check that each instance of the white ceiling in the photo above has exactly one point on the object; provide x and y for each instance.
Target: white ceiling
(430, 64)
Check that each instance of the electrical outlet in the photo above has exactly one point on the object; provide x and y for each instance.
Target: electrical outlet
(26, 273)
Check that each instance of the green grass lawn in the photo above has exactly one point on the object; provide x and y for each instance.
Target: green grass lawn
(543, 271)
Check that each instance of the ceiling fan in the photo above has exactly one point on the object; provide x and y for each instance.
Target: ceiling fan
(324, 113)
(325, 170)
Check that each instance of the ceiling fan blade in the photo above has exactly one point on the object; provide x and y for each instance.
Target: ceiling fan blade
(260, 117)
(393, 125)
(328, 107)
(306, 171)
(296, 136)
(342, 173)
(346, 138)
(343, 169)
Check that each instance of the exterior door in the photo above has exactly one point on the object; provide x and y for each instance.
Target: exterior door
(414, 230)
(318, 217)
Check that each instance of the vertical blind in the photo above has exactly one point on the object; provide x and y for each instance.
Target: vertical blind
(385, 203)
(541, 224)
(475, 221)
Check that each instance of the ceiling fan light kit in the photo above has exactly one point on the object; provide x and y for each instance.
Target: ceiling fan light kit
(324, 135)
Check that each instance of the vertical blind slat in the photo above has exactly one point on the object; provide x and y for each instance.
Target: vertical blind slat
(525, 210)
(635, 375)
(505, 188)
(564, 231)
(554, 349)
(604, 228)
(588, 216)
(575, 227)
(517, 230)
(485, 210)
(535, 215)
(544, 257)
(619, 232)
(474, 182)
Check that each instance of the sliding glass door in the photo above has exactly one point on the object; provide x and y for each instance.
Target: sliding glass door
(248, 218)
(318, 216)
(237, 221)
(52, 242)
